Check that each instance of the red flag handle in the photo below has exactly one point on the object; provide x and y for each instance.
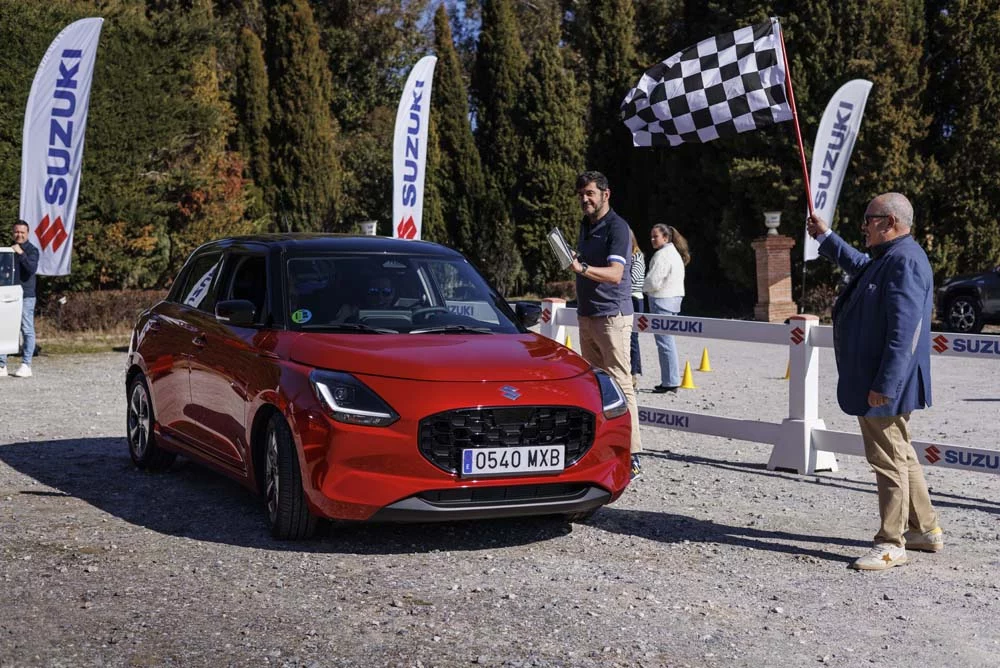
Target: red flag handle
(795, 119)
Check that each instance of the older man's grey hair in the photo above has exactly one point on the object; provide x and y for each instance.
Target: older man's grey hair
(899, 206)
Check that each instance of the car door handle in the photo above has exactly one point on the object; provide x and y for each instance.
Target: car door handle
(199, 341)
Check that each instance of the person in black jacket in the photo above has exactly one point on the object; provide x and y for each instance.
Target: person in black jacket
(25, 266)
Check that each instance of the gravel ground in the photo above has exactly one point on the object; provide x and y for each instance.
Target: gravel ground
(708, 560)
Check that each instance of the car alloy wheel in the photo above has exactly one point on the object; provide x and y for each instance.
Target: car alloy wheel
(287, 512)
(963, 315)
(142, 446)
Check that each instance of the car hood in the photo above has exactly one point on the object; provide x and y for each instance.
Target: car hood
(440, 357)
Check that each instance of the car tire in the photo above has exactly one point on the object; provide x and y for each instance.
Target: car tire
(139, 421)
(963, 315)
(288, 515)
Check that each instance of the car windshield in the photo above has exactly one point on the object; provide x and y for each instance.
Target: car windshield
(393, 293)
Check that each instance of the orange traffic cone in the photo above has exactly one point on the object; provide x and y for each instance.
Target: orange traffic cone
(569, 342)
(688, 382)
(705, 365)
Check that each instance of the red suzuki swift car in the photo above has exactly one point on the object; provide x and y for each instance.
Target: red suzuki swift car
(368, 378)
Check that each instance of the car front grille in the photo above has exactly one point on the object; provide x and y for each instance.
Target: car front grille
(474, 496)
(443, 436)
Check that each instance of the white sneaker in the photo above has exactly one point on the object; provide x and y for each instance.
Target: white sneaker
(932, 541)
(3, 371)
(23, 372)
(881, 557)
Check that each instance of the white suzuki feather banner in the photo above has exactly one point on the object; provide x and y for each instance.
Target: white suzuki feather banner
(832, 151)
(52, 152)
(409, 151)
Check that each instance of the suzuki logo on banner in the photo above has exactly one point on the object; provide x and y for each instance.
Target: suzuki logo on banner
(406, 229)
(546, 315)
(933, 454)
(643, 323)
(798, 335)
(53, 233)
(940, 343)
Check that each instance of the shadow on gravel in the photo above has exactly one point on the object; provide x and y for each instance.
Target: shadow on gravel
(669, 528)
(990, 506)
(193, 502)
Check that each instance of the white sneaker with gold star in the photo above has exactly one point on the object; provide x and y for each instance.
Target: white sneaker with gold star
(881, 557)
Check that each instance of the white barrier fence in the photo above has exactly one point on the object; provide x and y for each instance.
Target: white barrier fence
(801, 442)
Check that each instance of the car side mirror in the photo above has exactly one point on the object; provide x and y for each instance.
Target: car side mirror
(239, 312)
(528, 313)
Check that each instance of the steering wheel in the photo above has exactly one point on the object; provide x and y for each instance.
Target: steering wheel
(424, 315)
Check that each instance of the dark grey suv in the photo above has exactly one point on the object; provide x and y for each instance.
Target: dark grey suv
(966, 303)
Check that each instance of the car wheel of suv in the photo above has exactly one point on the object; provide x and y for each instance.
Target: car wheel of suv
(142, 446)
(288, 515)
(964, 315)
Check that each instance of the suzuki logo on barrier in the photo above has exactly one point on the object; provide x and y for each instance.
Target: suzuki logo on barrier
(510, 392)
(51, 233)
(933, 454)
(406, 229)
(798, 335)
(940, 343)
(643, 323)
(546, 315)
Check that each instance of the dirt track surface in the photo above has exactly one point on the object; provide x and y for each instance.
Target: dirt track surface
(708, 560)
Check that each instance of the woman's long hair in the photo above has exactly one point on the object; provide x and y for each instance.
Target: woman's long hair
(635, 244)
(671, 234)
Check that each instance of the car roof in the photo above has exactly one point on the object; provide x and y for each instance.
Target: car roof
(306, 242)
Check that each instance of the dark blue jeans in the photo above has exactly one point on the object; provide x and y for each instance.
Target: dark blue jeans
(639, 306)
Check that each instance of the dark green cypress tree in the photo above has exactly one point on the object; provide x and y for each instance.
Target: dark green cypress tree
(305, 168)
(455, 180)
(497, 86)
(252, 108)
(555, 107)
(964, 217)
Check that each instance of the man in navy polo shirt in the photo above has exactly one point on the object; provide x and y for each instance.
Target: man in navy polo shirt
(604, 291)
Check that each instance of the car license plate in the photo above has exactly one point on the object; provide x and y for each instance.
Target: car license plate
(520, 459)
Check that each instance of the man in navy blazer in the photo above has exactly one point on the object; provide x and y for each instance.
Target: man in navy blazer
(881, 337)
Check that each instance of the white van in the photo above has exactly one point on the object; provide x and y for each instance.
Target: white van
(10, 304)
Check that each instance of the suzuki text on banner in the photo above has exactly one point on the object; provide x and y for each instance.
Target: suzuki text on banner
(52, 153)
(409, 151)
(832, 151)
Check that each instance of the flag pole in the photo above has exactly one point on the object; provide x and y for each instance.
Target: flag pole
(795, 118)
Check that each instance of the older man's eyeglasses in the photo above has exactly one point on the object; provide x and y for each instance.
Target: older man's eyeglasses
(869, 217)
(385, 291)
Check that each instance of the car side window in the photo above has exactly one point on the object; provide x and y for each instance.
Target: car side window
(6, 269)
(199, 286)
(249, 282)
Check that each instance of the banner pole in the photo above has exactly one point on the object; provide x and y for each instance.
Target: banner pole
(795, 118)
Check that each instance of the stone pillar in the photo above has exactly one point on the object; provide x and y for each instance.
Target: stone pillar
(774, 278)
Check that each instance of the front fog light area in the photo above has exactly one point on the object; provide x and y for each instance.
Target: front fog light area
(346, 399)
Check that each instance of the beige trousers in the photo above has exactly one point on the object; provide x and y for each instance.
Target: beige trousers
(604, 342)
(903, 500)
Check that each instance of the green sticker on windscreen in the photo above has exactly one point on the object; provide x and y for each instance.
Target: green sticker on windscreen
(301, 316)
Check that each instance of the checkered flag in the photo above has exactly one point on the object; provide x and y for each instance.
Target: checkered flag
(719, 87)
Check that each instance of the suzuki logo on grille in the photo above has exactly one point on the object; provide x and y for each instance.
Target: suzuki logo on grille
(940, 343)
(932, 454)
(546, 315)
(643, 323)
(510, 392)
(798, 336)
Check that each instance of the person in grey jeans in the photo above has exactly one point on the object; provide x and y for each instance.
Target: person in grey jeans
(25, 266)
(664, 286)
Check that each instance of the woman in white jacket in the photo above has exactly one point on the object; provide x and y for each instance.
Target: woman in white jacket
(664, 286)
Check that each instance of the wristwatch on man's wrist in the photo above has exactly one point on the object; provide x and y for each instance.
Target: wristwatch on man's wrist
(583, 267)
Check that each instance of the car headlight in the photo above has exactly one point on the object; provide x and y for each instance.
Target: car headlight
(348, 400)
(612, 397)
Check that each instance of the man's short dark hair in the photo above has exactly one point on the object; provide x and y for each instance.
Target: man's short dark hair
(598, 179)
(21, 222)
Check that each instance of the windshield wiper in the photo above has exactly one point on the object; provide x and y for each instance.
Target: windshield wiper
(350, 327)
(444, 329)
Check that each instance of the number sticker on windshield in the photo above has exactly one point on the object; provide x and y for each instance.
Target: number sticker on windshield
(301, 316)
